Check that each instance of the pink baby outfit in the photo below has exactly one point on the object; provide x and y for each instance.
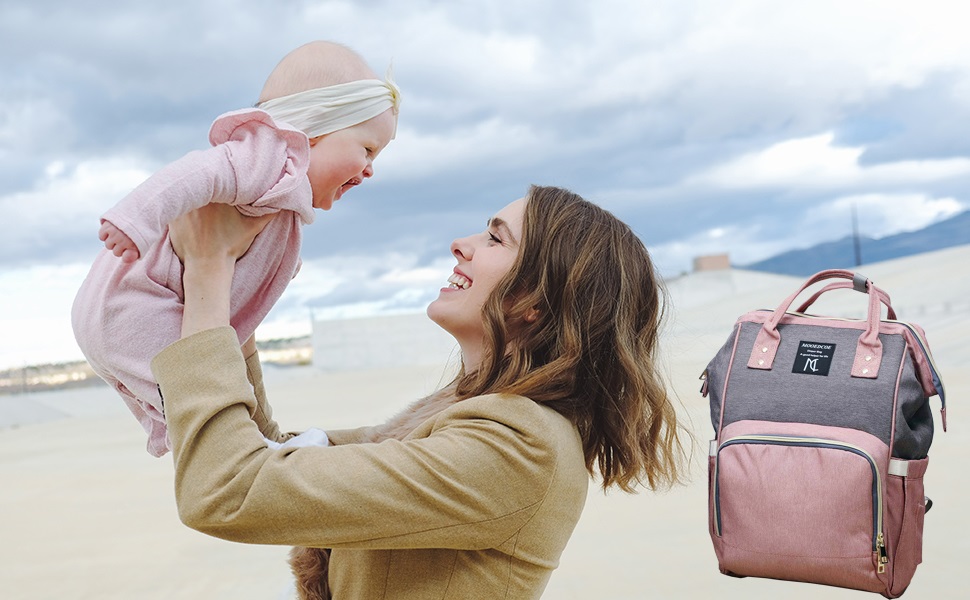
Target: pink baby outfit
(126, 313)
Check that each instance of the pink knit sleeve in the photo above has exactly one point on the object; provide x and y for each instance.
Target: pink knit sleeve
(253, 164)
(270, 161)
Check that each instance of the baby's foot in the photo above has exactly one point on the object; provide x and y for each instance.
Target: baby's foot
(119, 243)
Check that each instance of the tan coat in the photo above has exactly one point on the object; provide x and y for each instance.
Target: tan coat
(478, 502)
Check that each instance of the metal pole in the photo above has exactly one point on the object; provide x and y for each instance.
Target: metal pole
(856, 242)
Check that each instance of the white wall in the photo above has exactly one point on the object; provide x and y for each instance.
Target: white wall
(378, 342)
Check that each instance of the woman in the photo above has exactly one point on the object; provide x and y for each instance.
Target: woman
(474, 491)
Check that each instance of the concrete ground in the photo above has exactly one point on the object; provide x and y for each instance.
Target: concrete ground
(86, 513)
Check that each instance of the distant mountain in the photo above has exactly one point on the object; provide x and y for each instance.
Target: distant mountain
(839, 254)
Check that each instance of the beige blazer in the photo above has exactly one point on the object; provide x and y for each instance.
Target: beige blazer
(478, 502)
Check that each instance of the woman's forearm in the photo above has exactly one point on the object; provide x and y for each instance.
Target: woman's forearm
(207, 284)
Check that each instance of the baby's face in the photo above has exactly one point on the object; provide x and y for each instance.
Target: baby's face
(345, 158)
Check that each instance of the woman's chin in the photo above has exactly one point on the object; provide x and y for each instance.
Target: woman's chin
(438, 314)
(433, 313)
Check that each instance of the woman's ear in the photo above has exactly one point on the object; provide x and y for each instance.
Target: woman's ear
(531, 315)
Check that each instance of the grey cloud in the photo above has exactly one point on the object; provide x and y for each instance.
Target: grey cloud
(623, 116)
(931, 121)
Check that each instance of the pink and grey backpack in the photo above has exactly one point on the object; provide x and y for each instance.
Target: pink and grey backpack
(823, 427)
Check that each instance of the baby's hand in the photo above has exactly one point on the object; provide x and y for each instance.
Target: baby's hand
(119, 243)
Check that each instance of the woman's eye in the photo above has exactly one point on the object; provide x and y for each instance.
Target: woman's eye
(492, 238)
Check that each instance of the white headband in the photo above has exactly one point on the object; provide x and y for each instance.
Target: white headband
(325, 110)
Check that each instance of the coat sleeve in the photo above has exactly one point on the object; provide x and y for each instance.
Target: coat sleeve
(263, 415)
(359, 435)
(471, 483)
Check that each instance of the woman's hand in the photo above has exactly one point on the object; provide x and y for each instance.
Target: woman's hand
(209, 241)
(214, 232)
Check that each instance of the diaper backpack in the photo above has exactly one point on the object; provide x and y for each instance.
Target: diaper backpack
(822, 432)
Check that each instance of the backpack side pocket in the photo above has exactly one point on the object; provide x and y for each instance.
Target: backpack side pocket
(905, 510)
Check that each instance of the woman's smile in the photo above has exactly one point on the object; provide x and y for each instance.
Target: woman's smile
(458, 281)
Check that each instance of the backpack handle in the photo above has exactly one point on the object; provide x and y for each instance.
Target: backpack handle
(868, 354)
(839, 285)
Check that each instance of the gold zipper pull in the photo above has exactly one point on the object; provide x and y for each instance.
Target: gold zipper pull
(881, 549)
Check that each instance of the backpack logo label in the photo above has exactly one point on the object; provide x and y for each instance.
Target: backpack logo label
(813, 358)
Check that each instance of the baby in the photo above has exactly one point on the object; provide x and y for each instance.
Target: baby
(322, 118)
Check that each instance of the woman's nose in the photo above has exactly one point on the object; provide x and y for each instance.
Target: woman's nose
(462, 249)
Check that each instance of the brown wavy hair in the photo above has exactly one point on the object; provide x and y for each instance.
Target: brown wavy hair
(574, 325)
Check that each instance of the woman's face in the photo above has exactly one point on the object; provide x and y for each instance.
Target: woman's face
(483, 259)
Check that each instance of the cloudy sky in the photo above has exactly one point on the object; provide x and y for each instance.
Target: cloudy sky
(741, 126)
